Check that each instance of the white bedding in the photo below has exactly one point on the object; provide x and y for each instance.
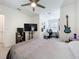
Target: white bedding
(74, 46)
(42, 49)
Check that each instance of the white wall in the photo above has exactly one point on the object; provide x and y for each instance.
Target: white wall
(77, 17)
(69, 9)
(35, 20)
(1, 28)
(13, 19)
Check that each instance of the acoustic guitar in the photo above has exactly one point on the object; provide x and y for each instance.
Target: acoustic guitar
(67, 28)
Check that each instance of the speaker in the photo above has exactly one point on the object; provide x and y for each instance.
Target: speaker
(20, 30)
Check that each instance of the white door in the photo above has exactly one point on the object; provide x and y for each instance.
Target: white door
(1, 28)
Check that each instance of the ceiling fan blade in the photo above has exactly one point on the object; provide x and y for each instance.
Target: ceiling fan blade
(40, 6)
(34, 1)
(26, 4)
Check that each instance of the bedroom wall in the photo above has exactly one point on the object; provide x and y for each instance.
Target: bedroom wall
(1, 28)
(35, 20)
(13, 19)
(69, 9)
(77, 16)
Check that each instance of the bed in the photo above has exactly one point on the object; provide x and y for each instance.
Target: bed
(41, 49)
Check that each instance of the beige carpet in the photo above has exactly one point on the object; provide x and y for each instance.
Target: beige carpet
(3, 52)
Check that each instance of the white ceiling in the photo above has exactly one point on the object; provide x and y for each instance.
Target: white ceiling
(67, 2)
(49, 4)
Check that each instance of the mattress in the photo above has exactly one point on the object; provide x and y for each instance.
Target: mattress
(41, 49)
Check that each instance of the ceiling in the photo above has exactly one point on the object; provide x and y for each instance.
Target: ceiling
(67, 2)
(49, 4)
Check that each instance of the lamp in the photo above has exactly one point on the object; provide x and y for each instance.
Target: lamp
(32, 28)
(33, 4)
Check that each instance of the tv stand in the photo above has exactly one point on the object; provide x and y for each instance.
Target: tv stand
(30, 35)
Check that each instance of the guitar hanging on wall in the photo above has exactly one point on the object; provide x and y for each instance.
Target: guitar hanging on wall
(67, 28)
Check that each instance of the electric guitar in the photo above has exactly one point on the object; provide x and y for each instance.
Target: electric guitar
(67, 28)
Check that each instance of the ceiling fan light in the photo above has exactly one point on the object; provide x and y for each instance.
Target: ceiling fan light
(33, 4)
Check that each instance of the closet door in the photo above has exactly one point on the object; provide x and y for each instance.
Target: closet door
(1, 28)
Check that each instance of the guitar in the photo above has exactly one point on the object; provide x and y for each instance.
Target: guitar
(67, 28)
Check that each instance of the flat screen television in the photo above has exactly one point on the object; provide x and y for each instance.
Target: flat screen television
(30, 27)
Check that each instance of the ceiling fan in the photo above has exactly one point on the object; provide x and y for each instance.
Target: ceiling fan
(34, 3)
